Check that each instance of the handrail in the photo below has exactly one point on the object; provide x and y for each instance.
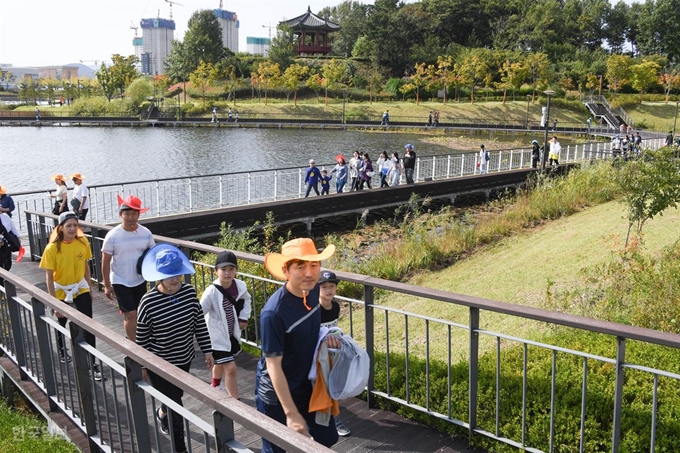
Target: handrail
(41, 224)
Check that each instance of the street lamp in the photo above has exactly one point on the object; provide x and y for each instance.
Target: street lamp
(548, 93)
(599, 90)
(344, 99)
(528, 101)
(675, 121)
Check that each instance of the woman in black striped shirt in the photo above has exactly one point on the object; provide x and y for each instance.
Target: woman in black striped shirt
(168, 318)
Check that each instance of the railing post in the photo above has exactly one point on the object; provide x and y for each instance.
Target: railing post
(276, 183)
(221, 189)
(158, 199)
(45, 352)
(500, 155)
(417, 169)
(97, 255)
(191, 201)
(448, 166)
(474, 362)
(299, 183)
(462, 164)
(17, 332)
(31, 236)
(133, 371)
(369, 327)
(521, 159)
(510, 165)
(224, 431)
(249, 188)
(618, 392)
(434, 165)
(81, 359)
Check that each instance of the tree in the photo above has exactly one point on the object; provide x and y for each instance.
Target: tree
(472, 70)
(204, 77)
(315, 83)
(351, 16)
(445, 72)
(644, 75)
(292, 77)
(650, 186)
(139, 91)
(333, 73)
(670, 80)
(123, 71)
(282, 48)
(618, 71)
(107, 81)
(617, 20)
(269, 76)
(418, 80)
(232, 83)
(538, 69)
(512, 73)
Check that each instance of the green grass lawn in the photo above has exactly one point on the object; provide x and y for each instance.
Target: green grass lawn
(517, 270)
(653, 115)
(23, 432)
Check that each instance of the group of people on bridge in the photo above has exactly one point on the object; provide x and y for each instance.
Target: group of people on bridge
(166, 317)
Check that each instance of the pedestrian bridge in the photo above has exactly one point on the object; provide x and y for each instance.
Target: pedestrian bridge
(453, 372)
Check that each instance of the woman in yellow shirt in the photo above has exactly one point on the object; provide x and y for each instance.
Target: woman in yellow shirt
(67, 273)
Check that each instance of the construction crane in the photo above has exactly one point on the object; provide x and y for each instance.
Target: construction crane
(220, 4)
(169, 2)
(132, 27)
(270, 26)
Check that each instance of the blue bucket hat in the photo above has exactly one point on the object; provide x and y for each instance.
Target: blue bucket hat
(165, 261)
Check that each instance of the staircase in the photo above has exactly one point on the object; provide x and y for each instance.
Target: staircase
(600, 108)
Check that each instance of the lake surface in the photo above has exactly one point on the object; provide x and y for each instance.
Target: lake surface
(30, 155)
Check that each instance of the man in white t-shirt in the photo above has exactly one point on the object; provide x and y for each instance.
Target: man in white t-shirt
(123, 246)
(80, 194)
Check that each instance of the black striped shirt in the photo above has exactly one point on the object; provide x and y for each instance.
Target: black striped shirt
(166, 325)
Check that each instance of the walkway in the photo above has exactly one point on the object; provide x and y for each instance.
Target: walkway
(372, 430)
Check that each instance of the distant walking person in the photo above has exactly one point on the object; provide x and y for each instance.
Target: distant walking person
(669, 139)
(214, 115)
(368, 173)
(385, 118)
(60, 196)
(409, 163)
(37, 114)
(6, 227)
(325, 183)
(555, 149)
(312, 178)
(6, 202)
(395, 171)
(123, 246)
(484, 159)
(341, 174)
(80, 201)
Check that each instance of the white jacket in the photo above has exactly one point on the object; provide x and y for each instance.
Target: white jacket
(216, 319)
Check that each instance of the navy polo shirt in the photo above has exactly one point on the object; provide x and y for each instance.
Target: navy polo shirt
(288, 329)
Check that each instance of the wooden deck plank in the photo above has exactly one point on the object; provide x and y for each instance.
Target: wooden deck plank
(371, 429)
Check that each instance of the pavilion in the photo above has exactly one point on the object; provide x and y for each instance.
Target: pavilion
(311, 33)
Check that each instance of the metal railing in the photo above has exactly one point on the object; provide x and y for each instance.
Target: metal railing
(169, 196)
(397, 341)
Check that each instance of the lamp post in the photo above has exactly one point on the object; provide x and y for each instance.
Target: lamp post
(344, 99)
(599, 89)
(675, 121)
(548, 93)
(528, 101)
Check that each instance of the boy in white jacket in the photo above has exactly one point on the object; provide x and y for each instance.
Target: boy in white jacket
(226, 305)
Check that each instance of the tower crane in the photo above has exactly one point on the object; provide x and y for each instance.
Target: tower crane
(132, 27)
(170, 2)
(270, 26)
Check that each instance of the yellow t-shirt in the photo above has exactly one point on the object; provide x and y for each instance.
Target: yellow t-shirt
(68, 264)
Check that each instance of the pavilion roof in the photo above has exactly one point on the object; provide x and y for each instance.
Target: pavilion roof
(310, 20)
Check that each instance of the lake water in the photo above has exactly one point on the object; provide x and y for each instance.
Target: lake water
(30, 155)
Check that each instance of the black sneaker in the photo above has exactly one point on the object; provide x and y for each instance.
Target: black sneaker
(341, 428)
(96, 374)
(163, 421)
(64, 357)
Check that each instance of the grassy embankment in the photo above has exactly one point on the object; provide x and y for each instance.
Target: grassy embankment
(21, 431)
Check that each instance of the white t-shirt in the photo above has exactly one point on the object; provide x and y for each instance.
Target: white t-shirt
(61, 190)
(79, 192)
(8, 223)
(125, 248)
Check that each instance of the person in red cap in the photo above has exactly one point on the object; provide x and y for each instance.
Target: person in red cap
(123, 246)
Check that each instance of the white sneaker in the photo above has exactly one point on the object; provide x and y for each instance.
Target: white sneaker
(221, 388)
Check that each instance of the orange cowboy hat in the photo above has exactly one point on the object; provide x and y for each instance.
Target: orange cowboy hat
(76, 176)
(131, 202)
(295, 249)
(58, 177)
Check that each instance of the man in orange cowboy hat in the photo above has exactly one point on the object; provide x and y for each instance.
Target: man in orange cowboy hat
(80, 201)
(123, 246)
(289, 326)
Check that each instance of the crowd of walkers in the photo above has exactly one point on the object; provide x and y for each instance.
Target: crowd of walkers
(361, 172)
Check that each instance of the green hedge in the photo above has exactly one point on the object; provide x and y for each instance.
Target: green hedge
(636, 419)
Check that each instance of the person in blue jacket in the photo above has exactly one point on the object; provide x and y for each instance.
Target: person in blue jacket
(312, 178)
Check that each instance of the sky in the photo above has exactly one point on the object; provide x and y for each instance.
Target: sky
(58, 32)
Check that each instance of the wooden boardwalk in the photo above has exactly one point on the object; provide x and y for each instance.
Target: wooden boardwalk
(371, 429)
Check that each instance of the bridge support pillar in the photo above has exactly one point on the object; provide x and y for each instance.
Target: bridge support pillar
(487, 193)
(453, 200)
(309, 221)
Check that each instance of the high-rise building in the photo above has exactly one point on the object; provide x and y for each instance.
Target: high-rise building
(229, 24)
(258, 46)
(157, 36)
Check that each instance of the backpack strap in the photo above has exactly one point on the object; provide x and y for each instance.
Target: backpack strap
(238, 304)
